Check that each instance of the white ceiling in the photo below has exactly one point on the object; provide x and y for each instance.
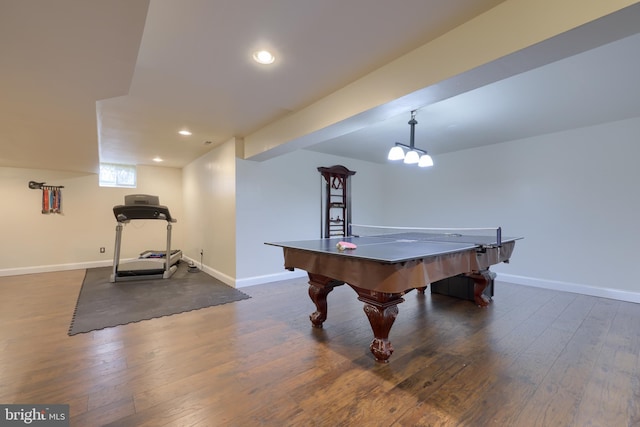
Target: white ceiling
(113, 81)
(596, 86)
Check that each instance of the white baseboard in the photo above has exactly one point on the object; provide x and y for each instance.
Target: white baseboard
(556, 285)
(228, 280)
(249, 281)
(576, 288)
(56, 267)
(106, 263)
(268, 278)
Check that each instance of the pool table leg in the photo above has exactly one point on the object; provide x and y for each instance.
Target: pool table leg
(381, 309)
(319, 288)
(481, 280)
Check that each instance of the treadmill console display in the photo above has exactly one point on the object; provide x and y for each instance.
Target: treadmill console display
(141, 199)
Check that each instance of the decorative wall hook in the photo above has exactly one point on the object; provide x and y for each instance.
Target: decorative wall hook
(36, 185)
(41, 185)
(51, 196)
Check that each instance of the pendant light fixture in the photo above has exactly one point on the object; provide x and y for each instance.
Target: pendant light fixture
(414, 155)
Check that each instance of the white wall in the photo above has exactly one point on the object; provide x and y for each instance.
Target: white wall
(209, 189)
(573, 196)
(33, 242)
(279, 200)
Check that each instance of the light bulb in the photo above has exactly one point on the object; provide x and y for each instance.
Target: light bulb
(412, 157)
(264, 57)
(425, 161)
(396, 153)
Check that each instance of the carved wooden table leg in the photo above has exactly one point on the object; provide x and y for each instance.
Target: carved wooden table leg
(381, 309)
(319, 288)
(480, 281)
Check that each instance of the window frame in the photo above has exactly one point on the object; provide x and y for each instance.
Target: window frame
(120, 176)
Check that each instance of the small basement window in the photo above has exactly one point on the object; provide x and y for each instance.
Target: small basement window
(112, 175)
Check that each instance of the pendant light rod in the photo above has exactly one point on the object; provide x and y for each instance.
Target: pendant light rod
(411, 147)
(413, 122)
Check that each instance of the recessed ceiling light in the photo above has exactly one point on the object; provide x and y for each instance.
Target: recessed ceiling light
(264, 57)
(184, 132)
(157, 159)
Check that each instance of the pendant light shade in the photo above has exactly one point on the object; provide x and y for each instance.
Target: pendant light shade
(425, 161)
(396, 153)
(414, 155)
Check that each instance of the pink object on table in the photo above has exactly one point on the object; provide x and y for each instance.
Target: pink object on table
(346, 245)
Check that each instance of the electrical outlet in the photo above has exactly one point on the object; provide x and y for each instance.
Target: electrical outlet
(102, 250)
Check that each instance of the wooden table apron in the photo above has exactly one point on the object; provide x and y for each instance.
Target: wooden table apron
(380, 286)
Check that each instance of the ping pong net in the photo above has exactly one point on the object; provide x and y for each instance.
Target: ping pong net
(486, 237)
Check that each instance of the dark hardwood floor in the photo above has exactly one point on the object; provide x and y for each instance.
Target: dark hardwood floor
(533, 358)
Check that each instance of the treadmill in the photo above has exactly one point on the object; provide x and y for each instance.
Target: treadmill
(151, 264)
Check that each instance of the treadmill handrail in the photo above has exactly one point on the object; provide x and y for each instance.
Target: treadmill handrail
(126, 213)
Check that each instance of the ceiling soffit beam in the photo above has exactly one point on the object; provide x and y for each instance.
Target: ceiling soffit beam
(486, 49)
